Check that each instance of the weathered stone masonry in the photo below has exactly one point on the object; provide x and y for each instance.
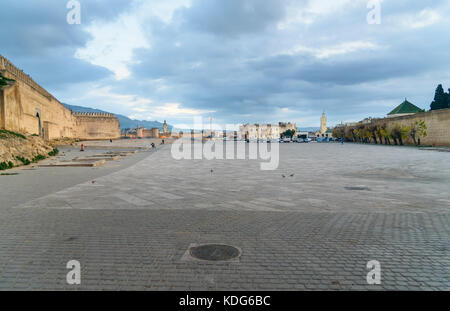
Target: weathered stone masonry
(28, 108)
(437, 122)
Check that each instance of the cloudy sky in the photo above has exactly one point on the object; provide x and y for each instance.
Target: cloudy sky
(235, 60)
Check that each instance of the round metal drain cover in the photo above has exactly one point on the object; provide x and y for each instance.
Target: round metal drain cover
(214, 252)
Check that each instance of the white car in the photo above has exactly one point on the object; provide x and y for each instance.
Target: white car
(286, 140)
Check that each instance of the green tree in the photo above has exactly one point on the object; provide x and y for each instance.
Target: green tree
(367, 134)
(288, 133)
(422, 130)
(373, 130)
(440, 99)
(349, 134)
(396, 134)
(404, 130)
(400, 133)
(339, 132)
(413, 132)
(448, 98)
(387, 134)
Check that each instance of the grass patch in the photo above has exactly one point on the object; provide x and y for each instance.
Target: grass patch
(38, 158)
(53, 153)
(23, 160)
(6, 165)
(4, 80)
(9, 174)
(6, 134)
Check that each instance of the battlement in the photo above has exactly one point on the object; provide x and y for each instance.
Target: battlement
(93, 114)
(19, 75)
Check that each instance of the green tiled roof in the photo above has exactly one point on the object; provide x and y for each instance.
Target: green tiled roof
(405, 107)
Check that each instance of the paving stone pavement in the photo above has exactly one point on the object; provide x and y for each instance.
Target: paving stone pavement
(130, 229)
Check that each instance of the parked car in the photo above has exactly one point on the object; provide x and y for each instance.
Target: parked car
(287, 140)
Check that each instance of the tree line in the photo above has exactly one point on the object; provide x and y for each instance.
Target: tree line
(382, 133)
(441, 99)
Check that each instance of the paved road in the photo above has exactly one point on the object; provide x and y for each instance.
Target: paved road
(343, 206)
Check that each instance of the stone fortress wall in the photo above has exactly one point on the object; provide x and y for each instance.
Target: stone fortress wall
(437, 122)
(96, 126)
(26, 107)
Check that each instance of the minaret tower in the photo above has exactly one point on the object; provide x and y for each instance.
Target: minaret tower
(323, 123)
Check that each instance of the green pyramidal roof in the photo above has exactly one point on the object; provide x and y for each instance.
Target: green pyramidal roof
(405, 107)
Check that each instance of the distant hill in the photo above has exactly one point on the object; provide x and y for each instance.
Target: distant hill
(125, 122)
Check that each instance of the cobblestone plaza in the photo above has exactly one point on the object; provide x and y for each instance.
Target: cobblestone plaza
(312, 224)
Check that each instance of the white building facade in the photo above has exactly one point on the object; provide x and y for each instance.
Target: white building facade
(265, 131)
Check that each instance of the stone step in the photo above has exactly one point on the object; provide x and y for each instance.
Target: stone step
(103, 156)
(91, 159)
(75, 164)
(122, 153)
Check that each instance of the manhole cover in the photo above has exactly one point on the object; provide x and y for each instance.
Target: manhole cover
(214, 252)
(360, 188)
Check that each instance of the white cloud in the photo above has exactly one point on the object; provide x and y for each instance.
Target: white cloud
(424, 18)
(162, 9)
(113, 43)
(165, 111)
(326, 52)
(307, 13)
(322, 7)
(176, 110)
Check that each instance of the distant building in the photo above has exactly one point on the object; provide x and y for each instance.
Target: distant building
(165, 133)
(154, 132)
(323, 123)
(324, 132)
(404, 109)
(259, 131)
(147, 133)
(266, 131)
